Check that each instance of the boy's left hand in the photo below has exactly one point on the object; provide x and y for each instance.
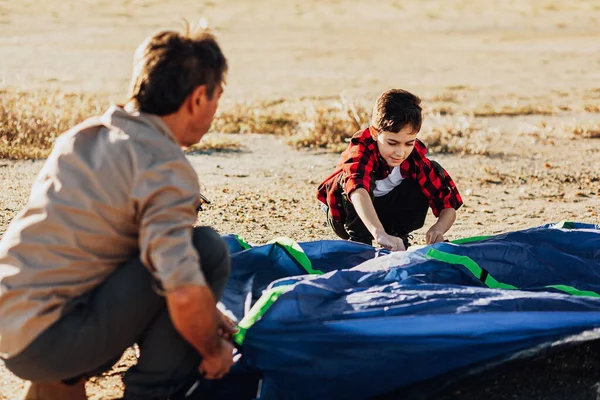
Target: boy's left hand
(434, 235)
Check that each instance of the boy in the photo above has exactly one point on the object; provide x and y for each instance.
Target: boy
(384, 184)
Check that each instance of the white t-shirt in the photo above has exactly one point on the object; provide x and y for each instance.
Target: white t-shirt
(384, 186)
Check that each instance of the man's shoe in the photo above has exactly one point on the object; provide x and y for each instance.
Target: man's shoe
(55, 391)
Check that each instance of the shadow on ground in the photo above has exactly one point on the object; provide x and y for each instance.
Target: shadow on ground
(570, 373)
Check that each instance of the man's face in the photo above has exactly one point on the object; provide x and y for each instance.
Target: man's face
(396, 147)
(203, 116)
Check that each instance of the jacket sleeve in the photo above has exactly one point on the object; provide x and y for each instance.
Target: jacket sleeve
(437, 185)
(357, 169)
(166, 197)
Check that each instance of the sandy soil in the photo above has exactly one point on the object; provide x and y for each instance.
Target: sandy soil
(474, 52)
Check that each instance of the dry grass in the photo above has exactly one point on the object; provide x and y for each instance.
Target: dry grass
(460, 103)
(592, 108)
(310, 124)
(31, 121)
(254, 118)
(585, 129)
(329, 127)
(457, 134)
(215, 143)
(578, 130)
(513, 110)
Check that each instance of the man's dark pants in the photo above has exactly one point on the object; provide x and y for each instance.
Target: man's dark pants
(401, 211)
(97, 328)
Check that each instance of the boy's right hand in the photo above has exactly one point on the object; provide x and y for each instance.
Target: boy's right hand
(392, 243)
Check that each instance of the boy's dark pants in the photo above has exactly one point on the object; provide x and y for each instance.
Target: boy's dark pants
(401, 211)
(98, 327)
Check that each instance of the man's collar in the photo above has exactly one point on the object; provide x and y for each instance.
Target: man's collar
(153, 119)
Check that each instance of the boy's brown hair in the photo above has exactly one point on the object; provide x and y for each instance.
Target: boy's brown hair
(169, 65)
(395, 109)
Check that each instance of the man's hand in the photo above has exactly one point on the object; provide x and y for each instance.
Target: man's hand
(226, 326)
(389, 242)
(194, 314)
(434, 235)
(217, 365)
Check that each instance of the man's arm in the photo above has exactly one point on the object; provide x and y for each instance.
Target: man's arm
(366, 211)
(436, 233)
(192, 309)
(165, 196)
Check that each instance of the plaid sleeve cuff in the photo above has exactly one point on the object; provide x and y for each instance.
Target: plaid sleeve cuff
(355, 183)
(452, 199)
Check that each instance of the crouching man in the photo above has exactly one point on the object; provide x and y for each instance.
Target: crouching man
(105, 254)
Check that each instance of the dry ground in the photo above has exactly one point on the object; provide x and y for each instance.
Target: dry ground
(517, 84)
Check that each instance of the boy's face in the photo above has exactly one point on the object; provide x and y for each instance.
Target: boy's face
(395, 147)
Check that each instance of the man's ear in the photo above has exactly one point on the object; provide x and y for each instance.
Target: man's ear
(197, 98)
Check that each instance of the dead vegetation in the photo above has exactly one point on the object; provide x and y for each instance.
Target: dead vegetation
(30, 122)
(583, 129)
(512, 110)
(457, 134)
(577, 130)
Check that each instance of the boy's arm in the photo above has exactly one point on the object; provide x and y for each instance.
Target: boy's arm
(366, 211)
(444, 199)
(436, 233)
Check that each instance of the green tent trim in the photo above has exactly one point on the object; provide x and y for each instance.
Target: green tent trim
(258, 310)
(242, 242)
(295, 251)
(488, 280)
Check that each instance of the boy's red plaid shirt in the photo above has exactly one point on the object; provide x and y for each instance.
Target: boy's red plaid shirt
(361, 165)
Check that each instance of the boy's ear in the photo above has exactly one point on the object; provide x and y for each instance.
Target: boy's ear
(373, 131)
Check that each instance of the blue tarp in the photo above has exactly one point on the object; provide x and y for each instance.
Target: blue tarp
(374, 323)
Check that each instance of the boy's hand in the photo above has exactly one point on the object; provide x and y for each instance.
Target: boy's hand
(392, 243)
(434, 235)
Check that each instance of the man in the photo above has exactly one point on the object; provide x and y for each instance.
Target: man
(104, 255)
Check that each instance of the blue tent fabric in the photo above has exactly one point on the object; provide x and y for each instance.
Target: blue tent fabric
(254, 269)
(375, 323)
